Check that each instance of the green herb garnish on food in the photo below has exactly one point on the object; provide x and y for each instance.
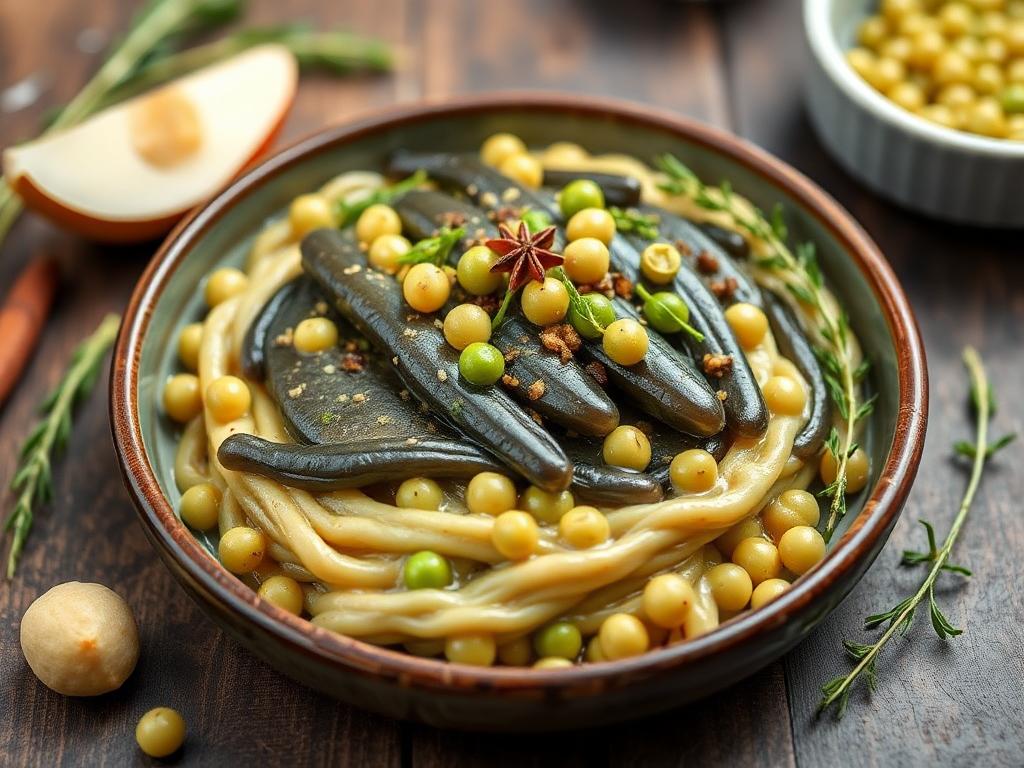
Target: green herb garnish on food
(434, 250)
(667, 313)
(584, 320)
(901, 616)
(632, 221)
(33, 482)
(347, 213)
(798, 270)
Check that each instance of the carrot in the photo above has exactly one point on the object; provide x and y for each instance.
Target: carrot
(22, 317)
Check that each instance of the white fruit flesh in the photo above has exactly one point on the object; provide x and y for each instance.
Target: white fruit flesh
(96, 171)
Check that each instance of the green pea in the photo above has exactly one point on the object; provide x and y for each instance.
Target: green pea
(474, 271)
(602, 310)
(546, 507)
(665, 310)
(1013, 99)
(481, 364)
(561, 639)
(580, 194)
(536, 220)
(426, 570)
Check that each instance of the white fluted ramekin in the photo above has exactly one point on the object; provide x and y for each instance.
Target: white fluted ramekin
(950, 175)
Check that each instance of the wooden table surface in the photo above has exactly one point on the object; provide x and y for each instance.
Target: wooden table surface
(736, 65)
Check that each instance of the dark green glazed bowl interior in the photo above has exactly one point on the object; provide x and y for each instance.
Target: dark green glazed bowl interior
(221, 233)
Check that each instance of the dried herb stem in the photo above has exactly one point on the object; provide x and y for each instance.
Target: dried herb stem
(33, 482)
(799, 271)
(900, 618)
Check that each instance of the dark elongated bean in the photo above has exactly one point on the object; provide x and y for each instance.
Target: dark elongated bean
(731, 283)
(336, 396)
(745, 411)
(335, 466)
(622, 191)
(666, 384)
(732, 242)
(427, 365)
(253, 361)
(666, 443)
(571, 396)
(611, 486)
(795, 345)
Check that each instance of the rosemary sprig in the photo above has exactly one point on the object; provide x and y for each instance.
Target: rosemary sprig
(631, 220)
(578, 306)
(347, 213)
(799, 271)
(901, 616)
(335, 51)
(33, 478)
(434, 250)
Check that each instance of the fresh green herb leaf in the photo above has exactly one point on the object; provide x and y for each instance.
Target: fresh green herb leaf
(434, 250)
(632, 221)
(966, 449)
(578, 306)
(347, 212)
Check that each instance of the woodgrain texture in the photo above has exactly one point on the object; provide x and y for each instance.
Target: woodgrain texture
(736, 66)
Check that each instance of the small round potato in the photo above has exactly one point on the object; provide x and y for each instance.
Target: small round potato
(80, 639)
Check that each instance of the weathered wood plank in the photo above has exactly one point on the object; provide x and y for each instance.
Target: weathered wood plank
(957, 702)
(237, 708)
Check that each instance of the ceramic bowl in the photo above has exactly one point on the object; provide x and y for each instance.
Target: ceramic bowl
(445, 694)
(947, 174)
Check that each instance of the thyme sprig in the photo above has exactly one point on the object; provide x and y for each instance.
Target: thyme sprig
(434, 250)
(33, 482)
(798, 269)
(632, 221)
(900, 617)
(348, 212)
(579, 308)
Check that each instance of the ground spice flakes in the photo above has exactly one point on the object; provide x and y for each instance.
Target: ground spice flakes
(561, 339)
(724, 289)
(707, 263)
(597, 370)
(717, 365)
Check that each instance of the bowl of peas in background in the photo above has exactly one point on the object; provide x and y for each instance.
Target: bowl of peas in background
(923, 101)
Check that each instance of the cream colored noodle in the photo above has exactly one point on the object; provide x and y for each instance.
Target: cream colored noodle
(349, 548)
(190, 464)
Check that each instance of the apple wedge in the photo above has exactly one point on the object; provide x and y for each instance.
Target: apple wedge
(129, 172)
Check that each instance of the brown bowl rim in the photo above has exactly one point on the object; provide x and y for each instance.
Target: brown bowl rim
(874, 520)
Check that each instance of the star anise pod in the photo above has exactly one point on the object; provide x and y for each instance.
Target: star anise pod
(523, 255)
